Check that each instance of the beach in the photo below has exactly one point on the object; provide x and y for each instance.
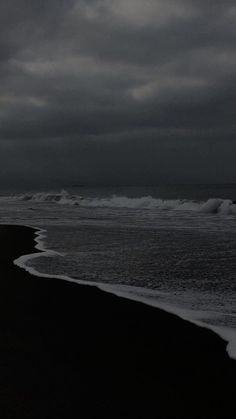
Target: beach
(69, 350)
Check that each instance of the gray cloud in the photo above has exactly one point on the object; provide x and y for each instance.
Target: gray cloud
(106, 91)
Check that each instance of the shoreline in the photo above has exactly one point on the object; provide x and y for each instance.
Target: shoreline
(227, 334)
(74, 350)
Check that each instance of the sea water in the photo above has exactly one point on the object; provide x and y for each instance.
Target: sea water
(170, 246)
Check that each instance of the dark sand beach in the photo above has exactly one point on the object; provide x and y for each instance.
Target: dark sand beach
(76, 352)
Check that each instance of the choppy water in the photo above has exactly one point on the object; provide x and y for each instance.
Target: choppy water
(170, 246)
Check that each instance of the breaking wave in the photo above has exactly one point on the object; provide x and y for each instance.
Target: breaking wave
(148, 202)
(211, 206)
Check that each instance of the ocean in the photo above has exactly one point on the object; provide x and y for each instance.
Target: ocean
(169, 246)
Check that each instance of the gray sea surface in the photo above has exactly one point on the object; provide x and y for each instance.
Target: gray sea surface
(175, 244)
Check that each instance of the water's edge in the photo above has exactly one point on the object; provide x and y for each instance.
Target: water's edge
(128, 292)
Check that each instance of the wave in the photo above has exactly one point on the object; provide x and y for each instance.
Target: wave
(211, 206)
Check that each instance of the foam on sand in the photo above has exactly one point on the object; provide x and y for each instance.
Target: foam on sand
(146, 296)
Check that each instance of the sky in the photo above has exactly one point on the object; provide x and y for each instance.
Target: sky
(117, 91)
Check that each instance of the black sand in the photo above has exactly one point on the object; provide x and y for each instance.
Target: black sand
(76, 352)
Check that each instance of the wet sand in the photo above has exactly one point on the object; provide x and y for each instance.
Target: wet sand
(74, 351)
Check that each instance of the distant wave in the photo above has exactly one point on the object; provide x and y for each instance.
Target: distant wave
(211, 206)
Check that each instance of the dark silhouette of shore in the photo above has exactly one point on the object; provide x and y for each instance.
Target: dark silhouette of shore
(74, 351)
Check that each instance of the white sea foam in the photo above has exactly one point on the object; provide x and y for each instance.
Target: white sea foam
(211, 206)
(147, 296)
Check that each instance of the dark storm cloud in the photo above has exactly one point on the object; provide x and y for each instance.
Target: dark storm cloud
(130, 90)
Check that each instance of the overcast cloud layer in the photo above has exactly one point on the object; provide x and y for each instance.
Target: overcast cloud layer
(117, 91)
